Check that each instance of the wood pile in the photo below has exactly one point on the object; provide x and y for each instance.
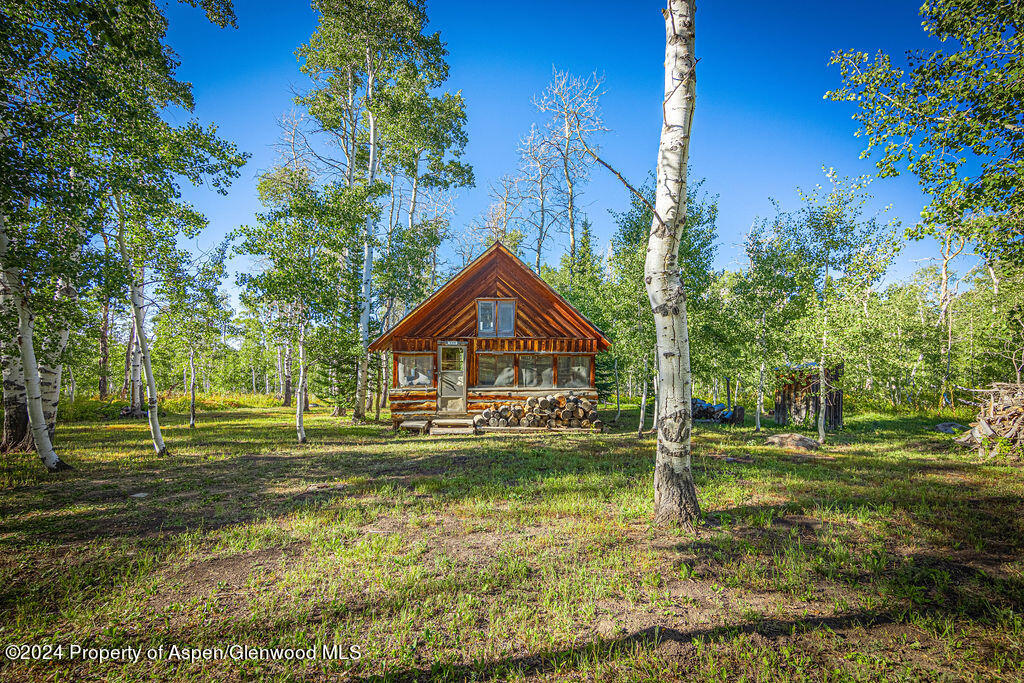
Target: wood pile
(555, 410)
(1001, 417)
(716, 412)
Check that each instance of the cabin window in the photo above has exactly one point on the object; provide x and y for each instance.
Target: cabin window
(496, 318)
(573, 371)
(415, 371)
(536, 371)
(496, 370)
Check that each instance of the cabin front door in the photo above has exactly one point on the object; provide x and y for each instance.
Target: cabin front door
(452, 378)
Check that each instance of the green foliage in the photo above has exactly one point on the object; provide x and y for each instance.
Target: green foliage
(953, 117)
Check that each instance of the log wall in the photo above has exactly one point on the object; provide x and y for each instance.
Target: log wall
(797, 400)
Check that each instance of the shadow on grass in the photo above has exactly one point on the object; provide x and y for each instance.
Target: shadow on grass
(652, 638)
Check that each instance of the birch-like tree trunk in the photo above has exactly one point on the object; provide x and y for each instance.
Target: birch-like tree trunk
(822, 392)
(286, 399)
(300, 391)
(618, 405)
(135, 383)
(9, 279)
(643, 405)
(16, 433)
(362, 374)
(280, 370)
(675, 495)
(192, 388)
(147, 365)
(104, 381)
(139, 316)
(50, 374)
(37, 419)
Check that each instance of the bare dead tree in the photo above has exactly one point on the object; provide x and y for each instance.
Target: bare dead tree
(538, 164)
(572, 101)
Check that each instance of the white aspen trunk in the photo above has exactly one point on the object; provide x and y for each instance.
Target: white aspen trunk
(280, 370)
(9, 278)
(17, 436)
(135, 383)
(192, 388)
(286, 392)
(618, 405)
(654, 418)
(300, 391)
(142, 348)
(760, 399)
(643, 406)
(362, 372)
(822, 394)
(147, 366)
(675, 495)
(16, 433)
(34, 403)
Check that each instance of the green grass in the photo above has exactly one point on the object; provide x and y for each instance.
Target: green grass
(889, 554)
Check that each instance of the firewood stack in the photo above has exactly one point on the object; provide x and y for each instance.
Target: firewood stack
(716, 412)
(1001, 417)
(555, 410)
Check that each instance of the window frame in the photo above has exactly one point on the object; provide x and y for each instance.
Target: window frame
(587, 364)
(514, 365)
(495, 306)
(415, 354)
(553, 366)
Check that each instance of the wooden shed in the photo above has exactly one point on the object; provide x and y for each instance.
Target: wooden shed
(494, 332)
(797, 398)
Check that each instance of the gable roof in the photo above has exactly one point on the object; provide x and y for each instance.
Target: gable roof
(450, 312)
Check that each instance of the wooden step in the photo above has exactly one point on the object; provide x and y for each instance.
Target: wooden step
(452, 430)
(418, 425)
(453, 422)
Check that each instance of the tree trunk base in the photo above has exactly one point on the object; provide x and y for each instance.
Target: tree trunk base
(134, 412)
(675, 497)
(17, 437)
(60, 466)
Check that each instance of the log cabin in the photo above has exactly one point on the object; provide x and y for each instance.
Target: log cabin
(495, 332)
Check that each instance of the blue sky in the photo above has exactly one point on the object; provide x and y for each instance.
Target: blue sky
(761, 128)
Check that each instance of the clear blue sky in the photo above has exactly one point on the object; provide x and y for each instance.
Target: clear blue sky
(761, 128)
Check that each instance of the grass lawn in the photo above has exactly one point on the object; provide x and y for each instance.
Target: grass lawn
(887, 555)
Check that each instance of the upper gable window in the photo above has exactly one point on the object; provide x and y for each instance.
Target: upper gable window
(495, 318)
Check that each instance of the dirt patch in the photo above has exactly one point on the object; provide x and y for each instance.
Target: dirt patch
(227, 576)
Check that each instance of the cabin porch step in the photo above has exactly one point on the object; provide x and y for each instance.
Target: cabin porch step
(453, 422)
(452, 430)
(417, 425)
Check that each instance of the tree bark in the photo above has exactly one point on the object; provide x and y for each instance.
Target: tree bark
(192, 388)
(104, 350)
(300, 391)
(16, 433)
(287, 397)
(618, 405)
(136, 374)
(359, 412)
(37, 420)
(675, 495)
(147, 367)
(822, 394)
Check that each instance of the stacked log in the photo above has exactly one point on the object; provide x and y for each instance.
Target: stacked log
(1001, 418)
(716, 412)
(553, 411)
